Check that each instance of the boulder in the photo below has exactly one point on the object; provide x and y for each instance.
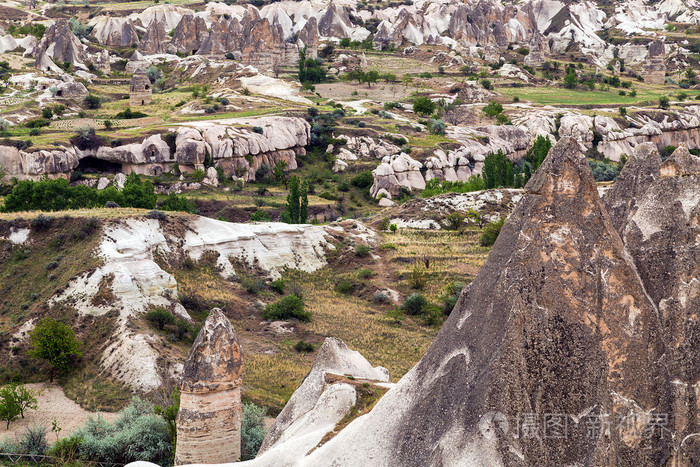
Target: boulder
(119, 180)
(209, 419)
(340, 165)
(103, 183)
(395, 172)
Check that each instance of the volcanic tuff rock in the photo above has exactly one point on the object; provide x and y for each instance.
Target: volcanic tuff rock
(395, 172)
(154, 40)
(555, 322)
(316, 406)
(209, 420)
(60, 45)
(637, 175)
(190, 34)
(662, 234)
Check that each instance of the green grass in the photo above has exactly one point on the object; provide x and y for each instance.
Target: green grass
(562, 96)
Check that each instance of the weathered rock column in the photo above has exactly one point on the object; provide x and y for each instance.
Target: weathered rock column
(209, 420)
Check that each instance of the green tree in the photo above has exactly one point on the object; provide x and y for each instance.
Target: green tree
(296, 211)
(664, 102)
(93, 102)
(570, 79)
(280, 172)
(371, 77)
(540, 148)
(498, 171)
(54, 342)
(14, 400)
(423, 106)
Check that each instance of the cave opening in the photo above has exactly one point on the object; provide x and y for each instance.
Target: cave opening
(91, 164)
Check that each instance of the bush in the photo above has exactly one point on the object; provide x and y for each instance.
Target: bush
(362, 251)
(137, 435)
(41, 223)
(54, 342)
(260, 216)
(303, 347)
(253, 286)
(178, 203)
(92, 101)
(414, 305)
(252, 429)
(278, 286)
(449, 299)
(492, 109)
(455, 221)
(67, 449)
(160, 317)
(33, 440)
(423, 106)
(491, 231)
(86, 138)
(258, 130)
(345, 287)
(363, 180)
(291, 306)
(365, 274)
(127, 114)
(664, 102)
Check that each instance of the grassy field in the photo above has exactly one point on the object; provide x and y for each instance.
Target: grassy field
(567, 97)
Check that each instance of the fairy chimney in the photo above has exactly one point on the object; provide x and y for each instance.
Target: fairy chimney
(209, 419)
(140, 91)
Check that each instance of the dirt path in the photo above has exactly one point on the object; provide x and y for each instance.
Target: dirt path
(53, 405)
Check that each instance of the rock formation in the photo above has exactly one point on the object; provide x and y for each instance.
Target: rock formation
(190, 34)
(154, 41)
(637, 175)
(317, 405)
(60, 45)
(661, 233)
(237, 150)
(209, 420)
(555, 334)
(394, 173)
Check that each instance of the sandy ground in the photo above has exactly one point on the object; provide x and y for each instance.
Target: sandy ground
(53, 405)
(379, 91)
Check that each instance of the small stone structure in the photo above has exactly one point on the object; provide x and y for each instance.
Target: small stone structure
(209, 419)
(654, 68)
(140, 92)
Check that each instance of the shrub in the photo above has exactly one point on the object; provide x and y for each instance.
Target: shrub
(362, 251)
(160, 317)
(449, 299)
(253, 286)
(492, 109)
(381, 297)
(454, 221)
(127, 114)
(157, 215)
(423, 106)
(41, 223)
(252, 429)
(664, 102)
(67, 449)
(393, 228)
(417, 278)
(198, 175)
(33, 440)
(14, 400)
(278, 286)
(365, 274)
(414, 305)
(345, 287)
(86, 138)
(137, 435)
(37, 123)
(437, 126)
(363, 180)
(260, 216)
(291, 306)
(303, 347)
(92, 101)
(491, 231)
(257, 129)
(34, 132)
(178, 203)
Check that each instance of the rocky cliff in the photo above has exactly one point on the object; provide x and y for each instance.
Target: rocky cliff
(232, 143)
(209, 420)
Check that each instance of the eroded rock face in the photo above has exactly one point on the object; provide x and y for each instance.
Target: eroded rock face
(396, 172)
(190, 34)
(661, 233)
(556, 322)
(638, 174)
(60, 45)
(316, 406)
(154, 40)
(209, 419)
